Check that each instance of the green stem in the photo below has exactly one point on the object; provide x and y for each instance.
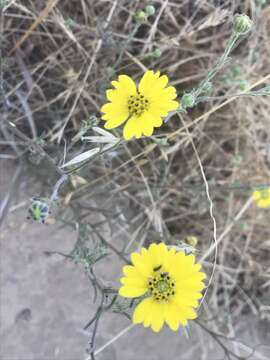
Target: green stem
(130, 37)
(220, 63)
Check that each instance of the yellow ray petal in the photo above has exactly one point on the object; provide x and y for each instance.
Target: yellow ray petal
(162, 81)
(131, 291)
(185, 300)
(132, 129)
(139, 281)
(125, 84)
(155, 315)
(263, 203)
(131, 271)
(141, 264)
(158, 316)
(148, 82)
(256, 195)
(158, 253)
(148, 121)
(115, 120)
(187, 284)
(141, 311)
(187, 313)
(172, 316)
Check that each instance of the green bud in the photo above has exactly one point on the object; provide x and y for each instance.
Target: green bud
(70, 23)
(242, 24)
(141, 16)
(237, 160)
(150, 10)
(188, 100)
(243, 226)
(243, 85)
(162, 141)
(110, 71)
(236, 71)
(157, 53)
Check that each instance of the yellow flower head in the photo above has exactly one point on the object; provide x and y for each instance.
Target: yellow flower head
(171, 282)
(142, 109)
(262, 197)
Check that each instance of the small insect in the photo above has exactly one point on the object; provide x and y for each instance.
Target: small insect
(157, 268)
(39, 210)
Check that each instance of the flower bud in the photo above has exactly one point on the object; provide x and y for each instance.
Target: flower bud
(141, 16)
(157, 53)
(150, 10)
(188, 100)
(242, 24)
(191, 240)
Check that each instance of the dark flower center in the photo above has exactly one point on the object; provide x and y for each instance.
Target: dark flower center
(137, 104)
(161, 286)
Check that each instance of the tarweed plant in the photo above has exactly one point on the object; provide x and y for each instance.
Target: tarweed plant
(167, 280)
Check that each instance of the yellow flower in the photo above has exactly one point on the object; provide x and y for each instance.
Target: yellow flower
(262, 197)
(141, 109)
(171, 282)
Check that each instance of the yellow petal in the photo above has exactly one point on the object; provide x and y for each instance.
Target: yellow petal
(158, 253)
(130, 271)
(187, 313)
(115, 120)
(116, 112)
(125, 84)
(139, 281)
(131, 291)
(172, 316)
(148, 121)
(263, 203)
(141, 311)
(256, 195)
(162, 81)
(154, 89)
(162, 108)
(141, 264)
(185, 300)
(148, 82)
(112, 108)
(132, 129)
(187, 284)
(118, 95)
(169, 93)
(182, 313)
(169, 260)
(151, 313)
(156, 315)
(148, 129)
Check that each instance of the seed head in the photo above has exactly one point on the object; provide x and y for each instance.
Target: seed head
(242, 24)
(157, 53)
